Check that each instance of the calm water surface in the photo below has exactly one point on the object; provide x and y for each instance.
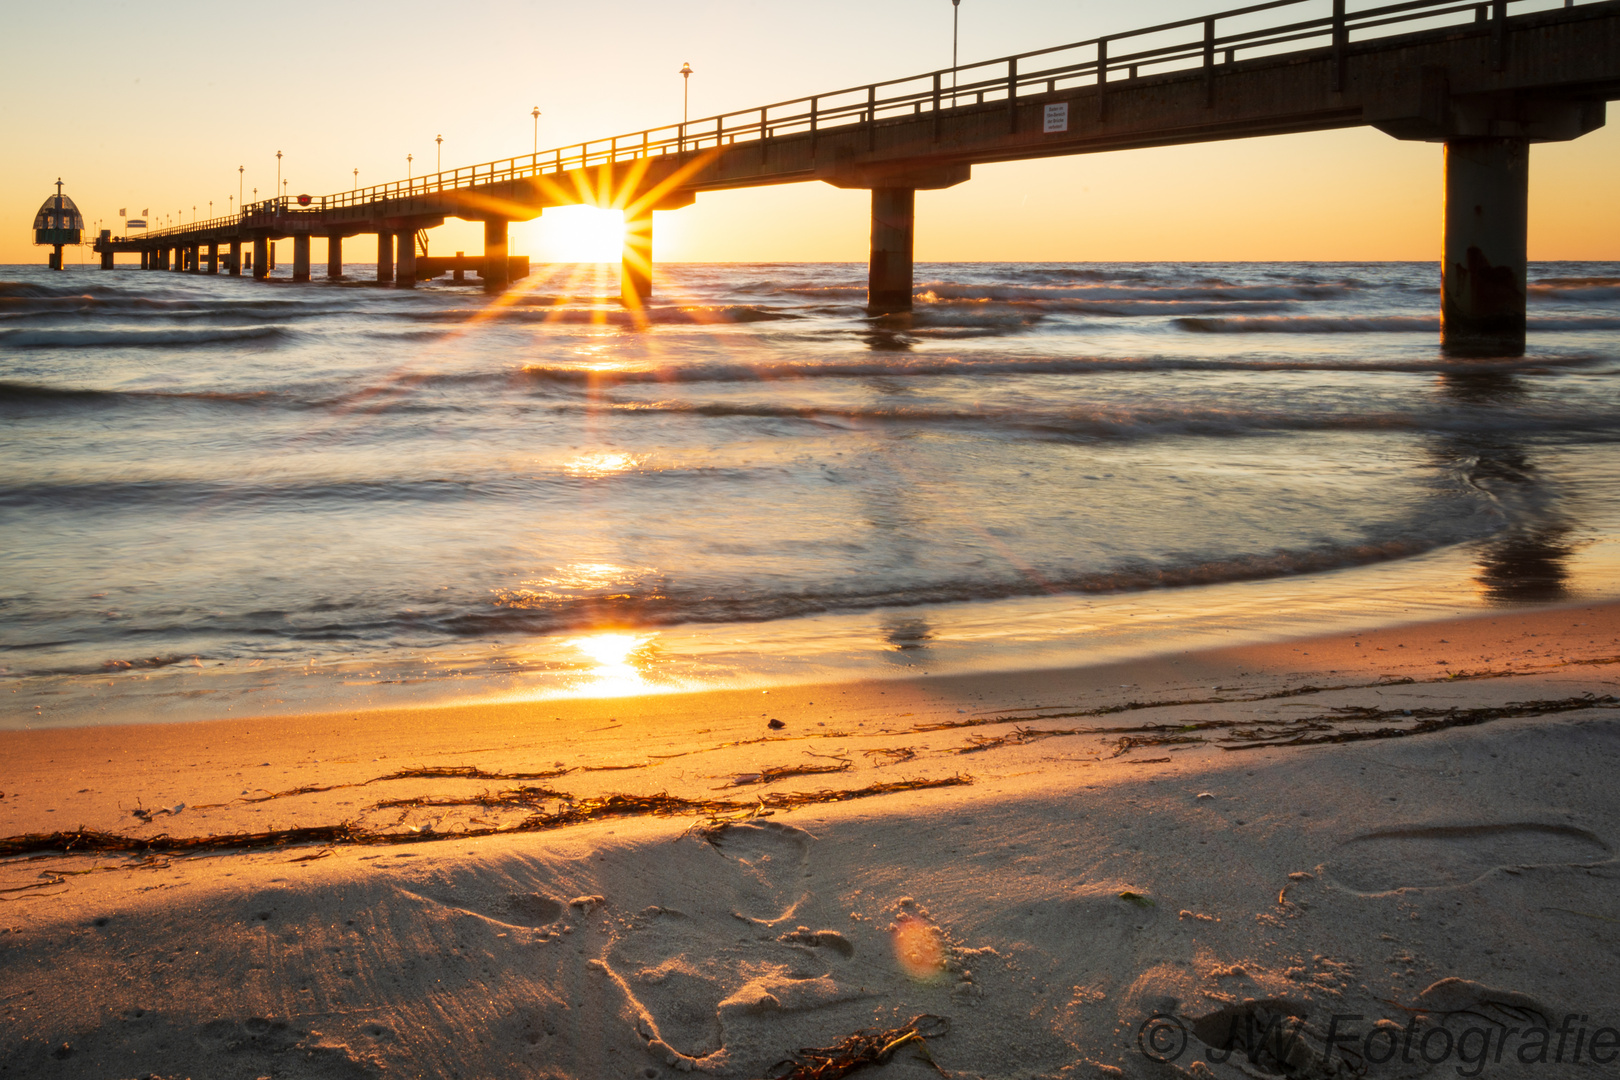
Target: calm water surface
(225, 497)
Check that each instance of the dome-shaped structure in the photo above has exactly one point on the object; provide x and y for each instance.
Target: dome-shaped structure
(58, 222)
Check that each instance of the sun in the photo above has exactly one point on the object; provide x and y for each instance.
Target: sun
(579, 234)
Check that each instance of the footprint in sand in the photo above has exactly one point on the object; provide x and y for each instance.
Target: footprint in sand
(772, 858)
(1426, 858)
(680, 992)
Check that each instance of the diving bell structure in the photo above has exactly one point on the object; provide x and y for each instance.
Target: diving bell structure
(57, 223)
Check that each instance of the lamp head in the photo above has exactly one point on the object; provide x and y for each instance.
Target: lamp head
(686, 71)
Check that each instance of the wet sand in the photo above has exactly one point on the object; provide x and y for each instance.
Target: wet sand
(1415, 826)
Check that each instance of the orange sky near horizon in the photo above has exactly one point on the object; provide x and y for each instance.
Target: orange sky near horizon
(153, 134)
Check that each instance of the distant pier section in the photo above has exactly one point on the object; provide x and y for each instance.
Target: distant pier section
(1486, 79)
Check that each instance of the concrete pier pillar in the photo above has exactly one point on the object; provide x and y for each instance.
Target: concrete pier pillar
(334, 257)
(405, 260)
(888, 282)
(107, 255)
(178, 266)
(301, 257)
(385, 256)
(213, 258)
(261, 258)
(145, 258)
(236, 258)
(635, 272)
(192, 251)
(1482, 288)
(495, 253)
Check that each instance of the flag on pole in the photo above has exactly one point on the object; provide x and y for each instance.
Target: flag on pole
(121, 213)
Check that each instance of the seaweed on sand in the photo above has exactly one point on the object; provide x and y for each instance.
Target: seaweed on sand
(420, 772)
(1317, 730)
(782, 772)
(866, 1047)
(94, 841)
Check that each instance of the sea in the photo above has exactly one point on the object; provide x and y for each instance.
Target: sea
(220, 497)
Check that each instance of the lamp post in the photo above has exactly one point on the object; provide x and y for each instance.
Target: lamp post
(357, 178)
(240, 169)
(956, 18)
(407, 168)
(686, 88)
(536, 114)
(278, 168)
(210, 209)
(438, 160)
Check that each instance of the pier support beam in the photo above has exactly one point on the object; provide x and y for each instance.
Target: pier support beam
(236, 258)
(888, 283)
(385, 256)
(495, 250)
(213, 258)
(107, 255)
(334, 257)
(261, 258)
(635, 275)
(146, 257)
(405, 261)
(1482, 286)
(301, 257)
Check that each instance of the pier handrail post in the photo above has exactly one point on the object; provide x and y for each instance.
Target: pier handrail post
(1499, 34)
(871, 117)
(1339, 36)
(1209, 61)
(1102, 78)
(937, 83)
(815, 107)
(1012, 96)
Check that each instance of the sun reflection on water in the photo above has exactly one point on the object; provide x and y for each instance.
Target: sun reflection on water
(601, 463)
(614, 656)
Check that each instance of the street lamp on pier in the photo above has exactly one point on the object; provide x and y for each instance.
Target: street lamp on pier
(686, 88)
(278, 168)
(536, 115)
(956, 16)
(240, 169)
(438, 162)
(357, 178)
(407, 167)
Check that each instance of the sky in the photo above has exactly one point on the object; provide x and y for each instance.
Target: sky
(154, 105)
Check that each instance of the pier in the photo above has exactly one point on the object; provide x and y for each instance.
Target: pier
(1485, 79)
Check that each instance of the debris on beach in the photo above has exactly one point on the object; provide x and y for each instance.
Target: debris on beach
(866, 1047)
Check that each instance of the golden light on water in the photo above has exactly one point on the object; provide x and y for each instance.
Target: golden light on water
(600, 463)
(917, 949)
(614, 671)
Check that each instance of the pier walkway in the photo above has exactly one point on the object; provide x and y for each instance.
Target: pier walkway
(1486, 79)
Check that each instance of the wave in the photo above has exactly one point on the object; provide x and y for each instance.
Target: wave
(559, 312)
(1311, 324)
(1145, 423)
(908, 367)
(125, 338)
(943, 292)
(657, 605)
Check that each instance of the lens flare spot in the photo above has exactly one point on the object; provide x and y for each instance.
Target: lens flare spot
(917, 949)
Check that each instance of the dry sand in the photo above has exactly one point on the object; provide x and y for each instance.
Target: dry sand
(1450, 885)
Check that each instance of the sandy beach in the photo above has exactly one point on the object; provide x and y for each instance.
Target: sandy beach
(1187, 866)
